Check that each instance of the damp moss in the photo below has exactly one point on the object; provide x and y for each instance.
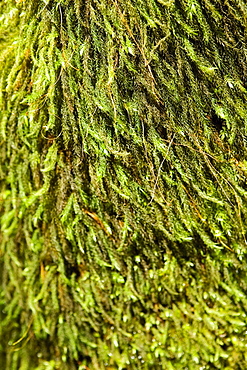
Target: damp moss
(123, 184)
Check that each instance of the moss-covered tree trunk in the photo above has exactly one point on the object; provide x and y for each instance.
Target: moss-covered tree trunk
(123, 184)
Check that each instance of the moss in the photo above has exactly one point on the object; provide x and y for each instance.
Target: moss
(123, 184)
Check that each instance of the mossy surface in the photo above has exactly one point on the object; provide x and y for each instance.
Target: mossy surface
(123, 184)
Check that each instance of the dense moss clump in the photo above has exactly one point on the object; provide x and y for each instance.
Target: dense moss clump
(123, 184)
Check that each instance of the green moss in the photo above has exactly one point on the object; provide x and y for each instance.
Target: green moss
(123, 184)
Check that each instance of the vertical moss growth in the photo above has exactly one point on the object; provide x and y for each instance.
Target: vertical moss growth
(123, 184)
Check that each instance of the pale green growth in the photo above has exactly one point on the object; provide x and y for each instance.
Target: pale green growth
(123, 184)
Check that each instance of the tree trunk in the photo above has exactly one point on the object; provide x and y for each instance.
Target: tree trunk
(123, 184)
